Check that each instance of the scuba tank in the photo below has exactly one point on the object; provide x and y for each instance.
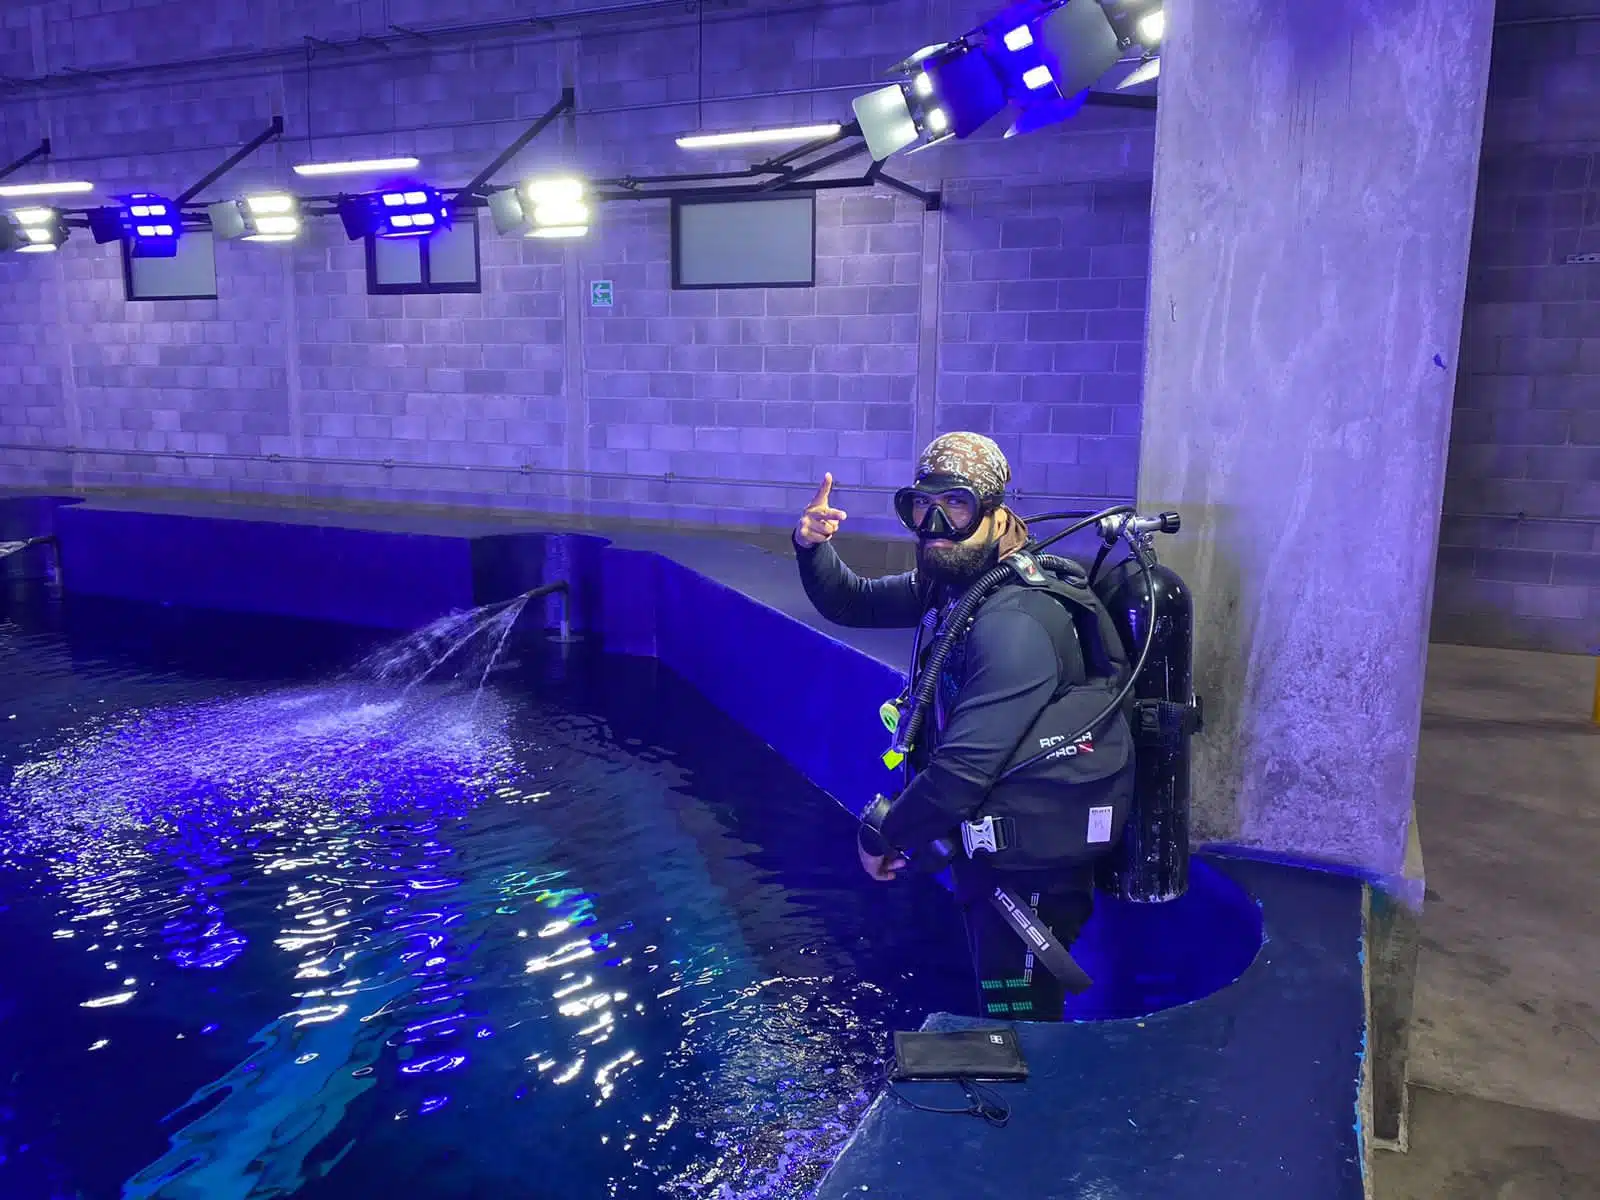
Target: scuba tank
(1153, 611)
(1150, 862)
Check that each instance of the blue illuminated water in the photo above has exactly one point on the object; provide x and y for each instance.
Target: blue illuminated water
(268, 931)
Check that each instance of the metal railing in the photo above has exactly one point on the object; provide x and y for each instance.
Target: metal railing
(1519, 516)
(392, 464)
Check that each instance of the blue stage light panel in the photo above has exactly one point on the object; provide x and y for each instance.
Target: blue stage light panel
(150, 224)
(397, 210)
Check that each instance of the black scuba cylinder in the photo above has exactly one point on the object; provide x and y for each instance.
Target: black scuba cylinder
(1150, 863)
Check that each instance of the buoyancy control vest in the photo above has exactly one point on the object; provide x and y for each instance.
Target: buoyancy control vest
(1064, 794)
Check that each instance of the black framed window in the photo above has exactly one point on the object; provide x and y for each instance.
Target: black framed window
(745, 242)
(191, 274)
(446, 262)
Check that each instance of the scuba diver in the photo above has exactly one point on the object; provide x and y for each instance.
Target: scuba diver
(1018, 760)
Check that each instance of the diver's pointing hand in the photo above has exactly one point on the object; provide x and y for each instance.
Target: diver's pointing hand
(820, 521)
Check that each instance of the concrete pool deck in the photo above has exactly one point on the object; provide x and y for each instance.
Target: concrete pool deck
(1248, 1092)
(1255, 1090)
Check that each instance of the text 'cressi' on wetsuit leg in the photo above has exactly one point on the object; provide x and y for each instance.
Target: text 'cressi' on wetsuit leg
(1012, 983)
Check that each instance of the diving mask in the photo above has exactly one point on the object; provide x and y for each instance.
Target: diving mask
(946, 507)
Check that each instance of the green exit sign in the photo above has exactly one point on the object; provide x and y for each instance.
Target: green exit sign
(600, 293)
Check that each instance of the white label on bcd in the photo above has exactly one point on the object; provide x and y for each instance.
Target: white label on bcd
(1099, 825)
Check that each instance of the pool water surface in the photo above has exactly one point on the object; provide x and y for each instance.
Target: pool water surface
(273, 928)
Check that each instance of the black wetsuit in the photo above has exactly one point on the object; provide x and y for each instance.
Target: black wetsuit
(1009, 666)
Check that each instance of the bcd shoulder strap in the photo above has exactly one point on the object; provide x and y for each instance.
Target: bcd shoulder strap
(1103, 652)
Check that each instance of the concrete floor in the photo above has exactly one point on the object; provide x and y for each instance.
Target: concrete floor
(1505, 1057)
(1463, 1148)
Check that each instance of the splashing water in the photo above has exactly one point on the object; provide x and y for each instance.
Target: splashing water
(447, 911)
(470, 642)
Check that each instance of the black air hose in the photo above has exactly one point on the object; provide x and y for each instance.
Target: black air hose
(922, 697)
(1099, 561)
(1117, 510)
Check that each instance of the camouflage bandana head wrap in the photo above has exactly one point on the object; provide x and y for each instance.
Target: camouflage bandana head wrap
(971, 457)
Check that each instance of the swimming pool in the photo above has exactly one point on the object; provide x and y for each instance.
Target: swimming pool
(273, 930)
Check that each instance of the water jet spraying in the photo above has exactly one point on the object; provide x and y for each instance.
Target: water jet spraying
(473, 641)
(7, 549)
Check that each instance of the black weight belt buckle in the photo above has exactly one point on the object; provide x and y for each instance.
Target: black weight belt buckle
(1040, 941)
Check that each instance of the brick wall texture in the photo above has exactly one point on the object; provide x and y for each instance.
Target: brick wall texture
(1018, 310)
(1519, 561)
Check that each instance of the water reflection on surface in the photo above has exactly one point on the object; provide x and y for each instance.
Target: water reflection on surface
(451, 942)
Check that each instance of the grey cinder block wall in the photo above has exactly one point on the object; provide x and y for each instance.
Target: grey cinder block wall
(1519, 562)
(1018, 310)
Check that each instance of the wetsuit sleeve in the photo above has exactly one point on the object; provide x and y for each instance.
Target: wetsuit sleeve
(845, 598)
(1011, 675)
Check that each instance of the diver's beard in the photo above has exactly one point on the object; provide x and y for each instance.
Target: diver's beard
(958, 563)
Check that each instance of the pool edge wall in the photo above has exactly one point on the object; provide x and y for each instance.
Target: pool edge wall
(730, 619)
(776, 675)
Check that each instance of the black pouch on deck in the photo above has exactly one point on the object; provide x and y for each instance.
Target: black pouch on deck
(979, 1055)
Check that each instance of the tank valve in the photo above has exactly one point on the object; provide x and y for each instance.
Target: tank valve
(1112, 529)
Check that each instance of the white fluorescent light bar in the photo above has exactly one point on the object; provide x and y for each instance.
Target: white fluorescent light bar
(360, 166)
(45, 189)
(752, 137)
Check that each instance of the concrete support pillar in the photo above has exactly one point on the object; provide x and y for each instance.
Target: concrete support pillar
(1315, 174)
(1316, 167)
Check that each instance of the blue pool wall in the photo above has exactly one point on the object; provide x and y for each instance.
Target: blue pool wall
(776, 673)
